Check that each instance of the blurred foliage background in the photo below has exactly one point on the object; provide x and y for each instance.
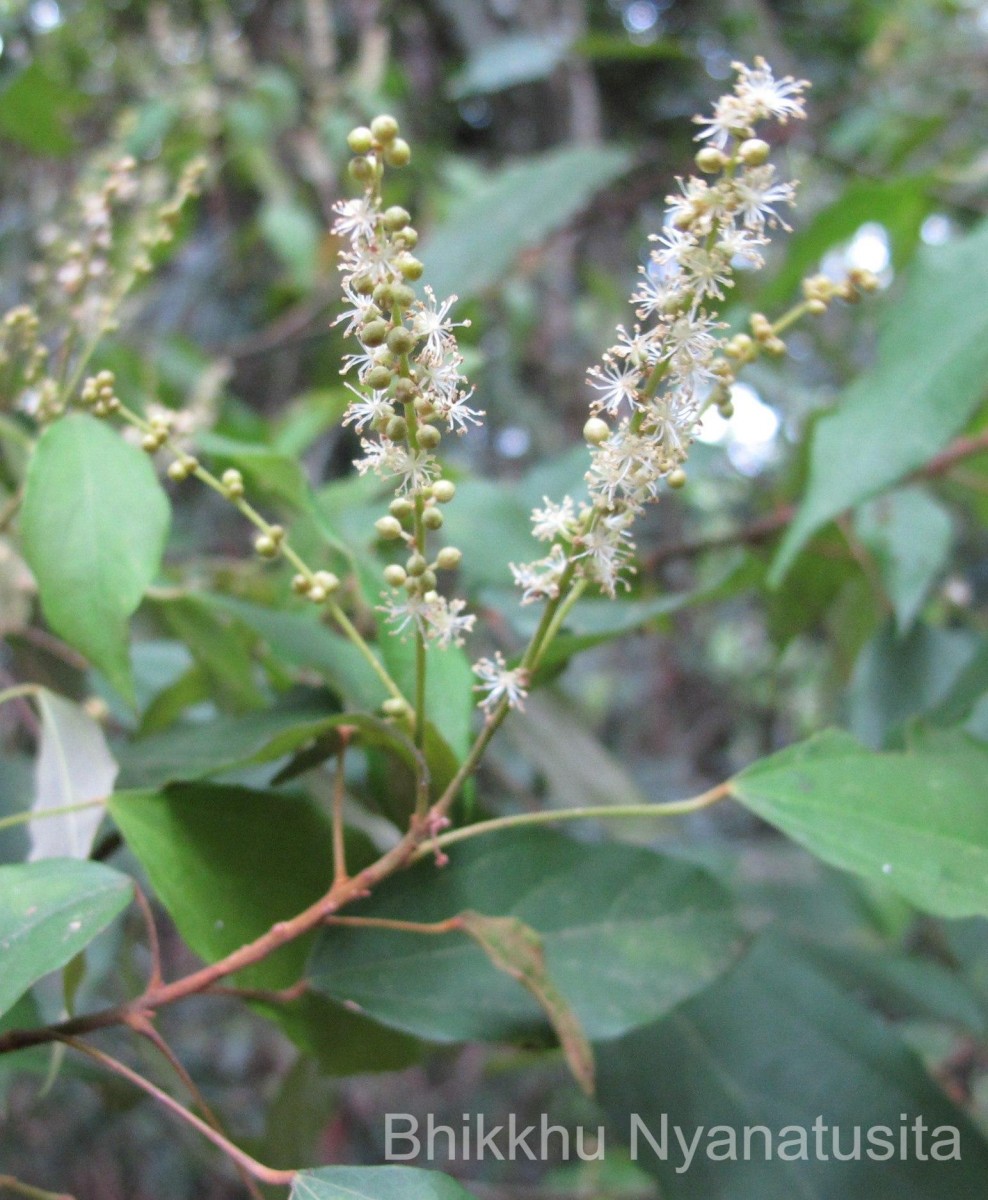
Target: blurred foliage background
(547, 134)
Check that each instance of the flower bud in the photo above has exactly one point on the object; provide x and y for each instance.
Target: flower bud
(401, 507)
(388, 528)
(396, 429)
(361, 169)
(676, 478)
(360, 140)
(753, 152)
(710, 160)
(395, 575)
(401, 340)
(449, 558)
(327, 581)
(374, 333)
(409, 266)
(429, 437)
(395, 708)
(233, 483)
(266, 546)
(398, 153)
(402, 296)
(396, 218)
(444, 490)
(378, 378)
(384, 128)
(301, 584)
(416, 565)
(405, 391)
(596, 431)
(432, 518)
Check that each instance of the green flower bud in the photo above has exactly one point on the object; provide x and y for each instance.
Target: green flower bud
(409, 266)
(394, 575)
(360, 140)
(427, 581)
(178, 471)
(401, 340)
(378, 378)
(676, 478)
(388, 528)
(402, 296)
(710, 160)
(396, 218)
(361, 169)
(596, 431)
(424, 408)
(409, 236)
(753, 152)
(405, 391)
(398, 153)
(416, 565)
(384, 128)
(429, 437)
(373, 333)
(363, 285)
(384, 296)
(233, 482)
(432, 518)
(397, 429)
(449, 558)
(444, 490)
(327, 581)
(401, 507)
(395, 708)
(301, 584)
(150, 443)
(266, 546)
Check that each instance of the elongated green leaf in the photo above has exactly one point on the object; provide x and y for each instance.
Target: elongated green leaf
(915, 819)
(515, 209)
(49, 911)
(74, 766)
(908, 534)
(927, 381)
(505, 62)
(94, 526)
(375, 1183)
(627, 934)
(775, 1045)
(228, 863)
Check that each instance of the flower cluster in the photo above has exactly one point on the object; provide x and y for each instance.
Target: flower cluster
(409, 383)
(653, 384)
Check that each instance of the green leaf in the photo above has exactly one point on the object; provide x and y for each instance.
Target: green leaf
(909, 536)
(449, 680)
(293, 233)
(627, 934)
(508, 61)
(227, 863)
(916, 819)
(94, 525)
(928, 379)
(195, 751)
(49, 911)
(516, 208)
(74, 766)
(375, 1183)
(775, 1044)
(35, 108)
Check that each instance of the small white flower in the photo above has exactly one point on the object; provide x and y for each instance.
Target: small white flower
(767, 96)
(366, 409)
(446, 622)
(500, 682)
(356, 218)
(432, 322)
(617, 384)
(553, 521)
(539, 580)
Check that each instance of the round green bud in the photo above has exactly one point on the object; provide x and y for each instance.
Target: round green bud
(384, 128)
(301, 584)
(429, 437)
(676, 478)
(416, 565)
(374, 333)
(710, 160)
(408, 236)
(178, 471)
(363, 285)
(427, 580)
(150, 443)
(266, 546)
(726, 409)
(378, 378)
(395, 708)
(233, 481)
(401, 340)
(449, 558)
(402, 296)
(397, 429)
(444, 490)
(395, 575)
(753, 152)
(327, 581)
(596, 431)
(388, 528)
(409, 266)
(405, 391)
(398, 153)
(361, 169)
(401, 507)
(424, 408)
(432, 518)
(360, 140)
(396, 218)
(384, 296)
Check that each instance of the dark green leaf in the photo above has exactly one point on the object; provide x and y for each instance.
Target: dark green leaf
(49, 911)
(775, 1044)
(94, 525)
(515, 209)
(375, 1183)
(627, 934)
(507, 61)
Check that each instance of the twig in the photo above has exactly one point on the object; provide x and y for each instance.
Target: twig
(256, 1169)
(11, 1184)
(154, 945)
(451, 925)
(340, 873)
